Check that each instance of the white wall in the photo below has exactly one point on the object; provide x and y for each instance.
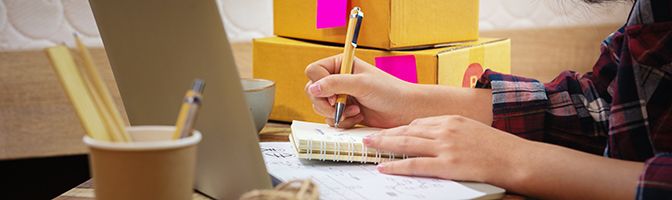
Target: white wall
(518, 14)
(35, 24)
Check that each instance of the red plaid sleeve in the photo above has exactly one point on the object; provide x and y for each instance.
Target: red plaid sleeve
(622, 109)
(656, 181)
(567, 111)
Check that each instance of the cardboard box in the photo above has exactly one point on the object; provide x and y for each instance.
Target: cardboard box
(387, 24)
(284, 60)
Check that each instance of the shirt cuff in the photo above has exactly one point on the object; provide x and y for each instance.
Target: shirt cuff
(518, 104)
(656, 180)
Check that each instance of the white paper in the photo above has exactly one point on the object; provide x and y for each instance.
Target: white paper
(357, 181)
(323, 132)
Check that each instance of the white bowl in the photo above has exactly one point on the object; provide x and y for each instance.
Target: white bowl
(260, 95)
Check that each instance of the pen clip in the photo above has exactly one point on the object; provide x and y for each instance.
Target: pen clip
(358, 15)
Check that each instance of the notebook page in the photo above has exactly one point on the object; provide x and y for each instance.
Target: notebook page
(320, 141)
(357, 181)
(323, 132)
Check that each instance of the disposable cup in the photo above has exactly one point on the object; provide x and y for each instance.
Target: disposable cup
(153, 166)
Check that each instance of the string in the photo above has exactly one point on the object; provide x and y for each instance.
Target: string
(364, 154)
(337, 153)
(351, 151)
(310, 149)
(323, 150)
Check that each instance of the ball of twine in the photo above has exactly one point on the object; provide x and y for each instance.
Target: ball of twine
(291, 190)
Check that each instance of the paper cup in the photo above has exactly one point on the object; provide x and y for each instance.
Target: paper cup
(153, 166)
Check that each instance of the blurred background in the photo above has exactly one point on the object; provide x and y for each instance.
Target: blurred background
(564, 31)
(40, 139)
(34, 24)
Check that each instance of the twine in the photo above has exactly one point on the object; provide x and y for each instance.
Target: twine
(291, 190)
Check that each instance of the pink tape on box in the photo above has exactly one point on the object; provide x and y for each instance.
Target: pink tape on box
(402, 67)
(331, 13)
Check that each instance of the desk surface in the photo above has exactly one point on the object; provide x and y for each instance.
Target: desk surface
(272, 132)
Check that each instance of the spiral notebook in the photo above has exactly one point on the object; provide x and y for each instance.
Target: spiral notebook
(315, 141)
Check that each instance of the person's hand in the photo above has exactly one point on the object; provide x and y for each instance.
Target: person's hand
(376, 98)
(450, 147)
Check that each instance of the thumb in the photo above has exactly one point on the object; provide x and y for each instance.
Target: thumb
(338, 84)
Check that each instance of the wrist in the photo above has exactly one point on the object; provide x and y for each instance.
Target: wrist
(434, 100)
(517, 164)
(419, 98)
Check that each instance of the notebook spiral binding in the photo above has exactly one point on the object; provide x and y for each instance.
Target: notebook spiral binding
(350, 150)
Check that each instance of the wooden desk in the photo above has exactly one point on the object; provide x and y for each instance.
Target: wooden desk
(272, 132)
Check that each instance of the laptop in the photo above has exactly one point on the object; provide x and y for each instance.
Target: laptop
(156, 49)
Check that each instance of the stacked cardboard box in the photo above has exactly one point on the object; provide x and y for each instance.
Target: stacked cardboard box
(420, 41)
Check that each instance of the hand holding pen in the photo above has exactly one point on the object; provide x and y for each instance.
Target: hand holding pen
(375, 97)
(354, 24)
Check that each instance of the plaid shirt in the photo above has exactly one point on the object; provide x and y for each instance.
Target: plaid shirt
(622, 109)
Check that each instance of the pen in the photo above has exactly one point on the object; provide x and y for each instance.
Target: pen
(354, 24)
(187, 116)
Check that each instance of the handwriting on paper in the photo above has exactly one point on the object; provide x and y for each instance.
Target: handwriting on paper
(357, 181)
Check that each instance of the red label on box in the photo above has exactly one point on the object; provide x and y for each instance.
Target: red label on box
(471, 75)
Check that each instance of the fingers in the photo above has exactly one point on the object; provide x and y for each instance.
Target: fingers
(422, 131)
(408, 145)
(422, 166)
(349, 84)
(323, 87)
(325, 106)
(332, 100)
(324, 110)
(347, 122)
(332, 65)
(324, 67)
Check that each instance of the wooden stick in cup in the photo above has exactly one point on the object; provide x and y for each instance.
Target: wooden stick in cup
(102, 96)
(76, 89)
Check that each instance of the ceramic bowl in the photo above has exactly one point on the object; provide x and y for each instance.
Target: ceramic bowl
(260, 95)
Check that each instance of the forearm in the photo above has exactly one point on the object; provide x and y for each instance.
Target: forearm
(550, 171)
(433, 100)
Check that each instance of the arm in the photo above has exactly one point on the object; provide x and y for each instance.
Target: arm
(458, 148)
(381, 100)
(568, 111)
(586, 176)
(561, 173)
(474, 103)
